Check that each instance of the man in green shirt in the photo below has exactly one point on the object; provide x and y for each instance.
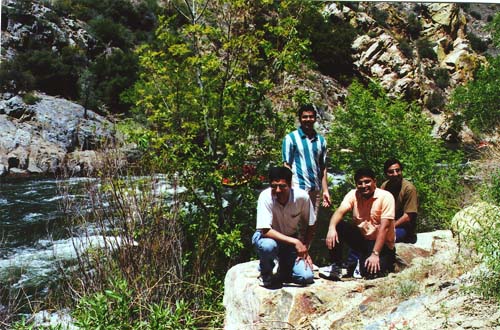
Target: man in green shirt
(405, 196)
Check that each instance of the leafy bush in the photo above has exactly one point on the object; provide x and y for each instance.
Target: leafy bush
(374, 127)
(330, 42)
(475, 14)
(477, 44)
(406, 48)
(424, 49)
(442, 77)
(30, 98)
(414, 26)
(435, 101)
(476, 103)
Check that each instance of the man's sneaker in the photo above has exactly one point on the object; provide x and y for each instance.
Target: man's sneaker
(357, 272)
(270, 281)
(332, 272)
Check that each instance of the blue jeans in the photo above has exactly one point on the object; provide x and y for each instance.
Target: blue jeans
(290, 271)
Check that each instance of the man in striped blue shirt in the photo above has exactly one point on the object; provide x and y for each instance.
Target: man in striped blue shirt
(304, 152)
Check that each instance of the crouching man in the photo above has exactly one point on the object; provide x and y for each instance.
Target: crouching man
(286, 224)
(371, 233)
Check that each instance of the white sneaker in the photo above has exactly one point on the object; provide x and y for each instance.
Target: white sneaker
(332, 272)
(357, 273)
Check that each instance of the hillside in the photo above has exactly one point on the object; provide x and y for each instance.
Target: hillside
(420, 52)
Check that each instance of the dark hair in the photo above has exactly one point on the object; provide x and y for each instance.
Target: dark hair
(306, 107)
(365, 171)
(391, 161)
(281, 172)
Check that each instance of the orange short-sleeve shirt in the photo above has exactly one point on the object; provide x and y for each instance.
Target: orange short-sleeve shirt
(368, 213)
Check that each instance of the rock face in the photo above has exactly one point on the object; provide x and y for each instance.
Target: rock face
(38, 138)
(356, 304)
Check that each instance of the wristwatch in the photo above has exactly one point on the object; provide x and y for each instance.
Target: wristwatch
(375, 253)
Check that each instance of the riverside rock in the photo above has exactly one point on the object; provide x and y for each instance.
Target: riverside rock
(39, 138)
(356, 304)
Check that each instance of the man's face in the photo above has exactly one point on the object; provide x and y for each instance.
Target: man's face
(395, 173)
(307, 119)
(366, 186)
(281, 190)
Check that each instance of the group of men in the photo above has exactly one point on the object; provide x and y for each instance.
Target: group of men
(287, 212)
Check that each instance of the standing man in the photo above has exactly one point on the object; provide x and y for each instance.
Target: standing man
(371, 233)
(405, 195)
(285, 227)
(304, 152)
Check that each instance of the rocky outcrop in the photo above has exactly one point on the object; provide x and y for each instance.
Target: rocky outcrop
(420, 294)
(49, 136)
(24, 20)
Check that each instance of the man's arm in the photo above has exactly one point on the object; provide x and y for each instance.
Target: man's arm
(372, 264)
(406, 217)
(324, 187)
(302, 248)
(332, 237)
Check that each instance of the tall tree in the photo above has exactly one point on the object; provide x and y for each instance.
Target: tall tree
(202, 92)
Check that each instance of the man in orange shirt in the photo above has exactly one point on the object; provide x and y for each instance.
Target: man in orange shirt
(371, 233)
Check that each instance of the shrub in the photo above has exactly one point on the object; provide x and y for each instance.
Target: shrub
(476, 103)
(435, 101)
(406, 48)
(477, 44)
(374, 128)
(414, 26)
(330, 43)
(442, 77)
(30, 98)
(475, 14)
(424, 49)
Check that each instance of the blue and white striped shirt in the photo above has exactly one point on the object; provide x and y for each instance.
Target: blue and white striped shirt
(307, 158)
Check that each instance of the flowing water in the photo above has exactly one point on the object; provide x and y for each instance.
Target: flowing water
(33, 237)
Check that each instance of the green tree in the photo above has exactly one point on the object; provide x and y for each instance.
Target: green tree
(202, 92)
(372, 127)
(477, 103)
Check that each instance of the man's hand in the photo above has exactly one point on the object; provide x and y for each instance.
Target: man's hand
(331, 238)
(326, 199)
(303, 253)
(372, 264)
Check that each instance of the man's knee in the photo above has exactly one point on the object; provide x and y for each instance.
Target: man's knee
(263, 244)
(302, 274)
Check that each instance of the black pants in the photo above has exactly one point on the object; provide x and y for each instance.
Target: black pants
(350, 235)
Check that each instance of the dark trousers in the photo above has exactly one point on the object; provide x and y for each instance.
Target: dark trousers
(350, 235)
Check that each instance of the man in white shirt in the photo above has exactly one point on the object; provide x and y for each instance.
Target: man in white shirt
(286, 224)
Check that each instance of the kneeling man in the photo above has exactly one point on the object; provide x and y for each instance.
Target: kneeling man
(371, 233)
(286, 223)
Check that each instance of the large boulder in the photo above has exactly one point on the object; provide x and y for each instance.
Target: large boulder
(324, 304)
(38, 138)
(468, 223)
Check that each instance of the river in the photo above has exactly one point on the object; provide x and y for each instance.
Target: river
(34, 237)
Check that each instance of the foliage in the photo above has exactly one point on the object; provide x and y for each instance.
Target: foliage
(424, 49)
(202, 91)
(494, 27)
(372, 128)
(406, 48)
(487, 244)
(476, 103)
(114, 308)
(435, 101)
(30, 98)
(331, 42)
(414, 26)
(477, 44)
